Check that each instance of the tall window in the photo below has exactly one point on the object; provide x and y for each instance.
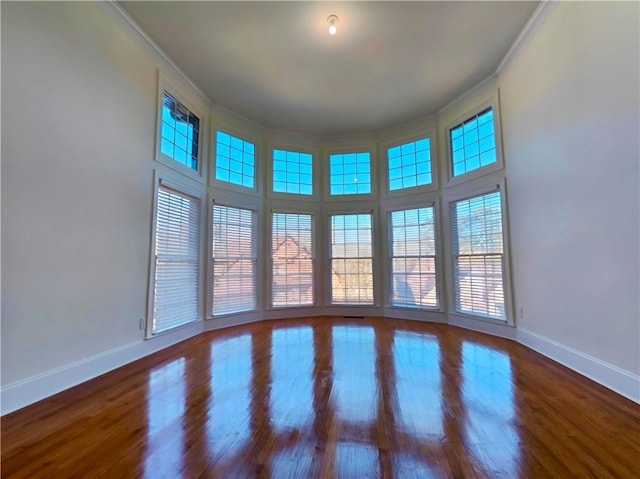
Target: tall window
(179, 132)
(409, 164)
(479, 255)
(176, 260)
(350, 173)
(351, 259)
(292, 257)
(292, 172)
(473, 143)
(234, 260)
(413, 258)
(235, 160)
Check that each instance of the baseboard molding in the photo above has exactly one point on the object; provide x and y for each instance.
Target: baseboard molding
(617, 379)
(491, 327)
(27, 391)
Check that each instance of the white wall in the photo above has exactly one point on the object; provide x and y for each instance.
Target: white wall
(570, 116)
(78, 127)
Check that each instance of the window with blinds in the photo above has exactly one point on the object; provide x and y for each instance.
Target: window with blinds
(409, 165)
(292, 259)
(176, 260)
(234, 260)
(479, 256)
(351, 257)
(413, 258)
(179, 132)
(473, 143)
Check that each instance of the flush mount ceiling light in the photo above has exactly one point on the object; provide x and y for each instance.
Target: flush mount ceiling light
(332, 20)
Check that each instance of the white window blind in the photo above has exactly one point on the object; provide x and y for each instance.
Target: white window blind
(479, 255)
(176, 260)
(351, 259)
(234, 260)
(292, 259)
(413, 258)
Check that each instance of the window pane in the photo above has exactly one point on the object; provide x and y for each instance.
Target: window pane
(179, 132)
(479, 255)
(413, 264)
(292, 172)
(473, 143)
(351, 259)
(292, 256)
(235, 160)
(404, 163)
(350, 173)
(234, 260)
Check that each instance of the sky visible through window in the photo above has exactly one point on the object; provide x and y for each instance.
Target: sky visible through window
(473, 143)
(292, 172)
(179, 133)
(350, 173)
(235, 160)
(409, 164)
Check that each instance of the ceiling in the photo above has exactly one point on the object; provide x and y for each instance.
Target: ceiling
(390, 62)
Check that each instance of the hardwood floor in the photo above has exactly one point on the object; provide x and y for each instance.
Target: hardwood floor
(329, 398)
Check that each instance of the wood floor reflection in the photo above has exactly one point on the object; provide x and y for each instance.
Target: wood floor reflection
(329, 398)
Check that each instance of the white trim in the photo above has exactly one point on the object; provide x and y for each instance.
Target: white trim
(531, 27)
(488, 326)
(40, 386)
(154, 46)
(612, 377)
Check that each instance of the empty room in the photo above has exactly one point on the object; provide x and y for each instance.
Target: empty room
(300, 240)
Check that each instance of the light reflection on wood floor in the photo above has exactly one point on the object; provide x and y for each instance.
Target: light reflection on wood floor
(327, 398)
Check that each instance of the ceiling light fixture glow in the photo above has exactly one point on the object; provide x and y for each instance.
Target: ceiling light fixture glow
(332, 20)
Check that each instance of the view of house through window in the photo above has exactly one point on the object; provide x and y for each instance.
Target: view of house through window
(292, 259)
(234, 260)
(413, 258)
(479, 255)
(351, 259)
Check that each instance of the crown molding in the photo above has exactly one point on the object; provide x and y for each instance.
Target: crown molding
(531, 27)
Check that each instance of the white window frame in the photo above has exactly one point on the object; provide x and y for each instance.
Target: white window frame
(189, 188)
(480, 188)
(298, 210)
(327, 197)
(246, 135)
(256, 208)
(316, 171)
(488, 101)
(200, 109)
(439, 270)
(352, 209)
(434, 186)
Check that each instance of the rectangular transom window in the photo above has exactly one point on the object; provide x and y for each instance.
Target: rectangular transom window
(292, 258)
(351, 259)
(235, 160)
(413, 258)
(479, 255)
(292, 172)
(234, 260)
(179, 132)
(177, 239)
(409, 164)
(350, 173)
(473, 143)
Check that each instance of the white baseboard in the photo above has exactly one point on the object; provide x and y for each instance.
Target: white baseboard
(27, 391)
(490, 327)
(617, 379)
